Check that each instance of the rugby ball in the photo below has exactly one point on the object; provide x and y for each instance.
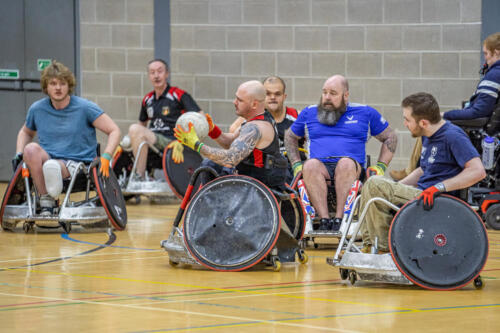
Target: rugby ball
(199, 121)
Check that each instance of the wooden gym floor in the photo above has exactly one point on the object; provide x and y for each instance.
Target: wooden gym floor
(53, 282)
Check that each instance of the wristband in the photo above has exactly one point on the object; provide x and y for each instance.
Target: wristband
(440, 186)
(382, 165)
(198, 145)
(106, 156)
(215, 132)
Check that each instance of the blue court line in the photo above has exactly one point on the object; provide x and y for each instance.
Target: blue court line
(67, 237)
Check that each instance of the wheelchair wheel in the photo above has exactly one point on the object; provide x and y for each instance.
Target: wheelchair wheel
(493, 216)
(15, 194)
(232, 223)
(178, 175)
(294, 215)
(444, 248)
(111, 197)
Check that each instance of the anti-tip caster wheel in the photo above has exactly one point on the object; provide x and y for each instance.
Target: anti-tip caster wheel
(344, 273)
(28, 227)
(303, 258)
(173, 263)
(352, 277)
(478, 283)
(276, 265)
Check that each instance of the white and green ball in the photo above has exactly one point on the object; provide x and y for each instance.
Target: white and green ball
(199, 121)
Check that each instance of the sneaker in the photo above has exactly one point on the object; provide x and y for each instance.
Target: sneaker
(324, 224)
(336, 222)
(47, 204)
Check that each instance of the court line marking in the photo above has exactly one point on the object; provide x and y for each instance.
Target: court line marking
(183, 312)
(67, 237)
(205, 287)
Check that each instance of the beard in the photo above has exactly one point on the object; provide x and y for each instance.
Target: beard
(418, 132)
(328, 114)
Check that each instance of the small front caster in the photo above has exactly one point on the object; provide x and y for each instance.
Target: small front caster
(276, 264)
(344, 273)
(478, 283)
(352, 277)
(303, 258)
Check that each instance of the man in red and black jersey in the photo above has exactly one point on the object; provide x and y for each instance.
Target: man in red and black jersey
(254, 149)
(161, 108)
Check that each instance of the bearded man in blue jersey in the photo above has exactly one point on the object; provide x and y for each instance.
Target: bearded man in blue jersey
(337, 132)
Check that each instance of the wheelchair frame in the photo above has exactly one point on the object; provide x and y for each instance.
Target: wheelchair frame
(85, 212)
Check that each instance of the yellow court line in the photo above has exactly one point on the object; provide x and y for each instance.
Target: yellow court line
(210, 288)
(272, 322)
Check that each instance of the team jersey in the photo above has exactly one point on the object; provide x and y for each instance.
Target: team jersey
(444, 155)
(163, 111)
(347, 138)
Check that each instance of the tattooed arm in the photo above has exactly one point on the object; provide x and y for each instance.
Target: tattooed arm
(389, 141)
(292, 146)
(240, 148)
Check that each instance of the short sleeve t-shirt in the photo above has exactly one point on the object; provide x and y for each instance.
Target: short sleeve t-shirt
(67, 133)
(444, 155)
(347, 138)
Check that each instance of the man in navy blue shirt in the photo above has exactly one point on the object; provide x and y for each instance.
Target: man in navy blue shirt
(449, 162)
(337, 132)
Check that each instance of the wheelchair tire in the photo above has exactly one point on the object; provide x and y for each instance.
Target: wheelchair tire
(444, 248)
(492, 216)
(111, 197)
(16, 178)
(232, 223)
(294, 215)
(179, 175)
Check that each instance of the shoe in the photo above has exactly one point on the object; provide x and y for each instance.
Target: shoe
(398, 174)
(324, 224)
(366, 249)
(47, 204)
(336, 222)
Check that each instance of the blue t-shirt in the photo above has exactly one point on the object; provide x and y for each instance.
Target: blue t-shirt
(347, 137)
(444, 155)
(68, 133)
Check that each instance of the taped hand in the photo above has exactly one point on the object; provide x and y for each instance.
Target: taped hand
(376, 170)
(105, 158)
(177, 151)
(297, 167)
(427, 196)
(189, 138)
(213, 130)
(16, 160)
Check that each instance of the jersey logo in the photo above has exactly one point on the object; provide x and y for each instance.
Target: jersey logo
(165, 110)
(150, 112)
(350, 120)
(431, 158)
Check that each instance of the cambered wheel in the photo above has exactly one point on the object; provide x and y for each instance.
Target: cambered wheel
(352, 277)
(344, 273)
(303, 258)
(478, 283)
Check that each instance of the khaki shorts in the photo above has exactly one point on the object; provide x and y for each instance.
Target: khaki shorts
(162, 141)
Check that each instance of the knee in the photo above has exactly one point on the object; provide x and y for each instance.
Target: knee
(374, 186)
(346, 166)
(32, 151)
(311, 167)
(136, 131)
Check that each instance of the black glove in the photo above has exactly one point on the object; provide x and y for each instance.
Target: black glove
(18, 158)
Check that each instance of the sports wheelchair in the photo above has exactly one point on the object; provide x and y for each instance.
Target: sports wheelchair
(164, 178)
(311, 232)
(426, 247)
(485, 195)
(234, 222)
(102, 203)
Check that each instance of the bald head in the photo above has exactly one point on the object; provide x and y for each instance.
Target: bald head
(254, 89)
(336, 82)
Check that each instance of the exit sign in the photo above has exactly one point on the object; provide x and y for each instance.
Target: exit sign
(9, 74)
(42, 63)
